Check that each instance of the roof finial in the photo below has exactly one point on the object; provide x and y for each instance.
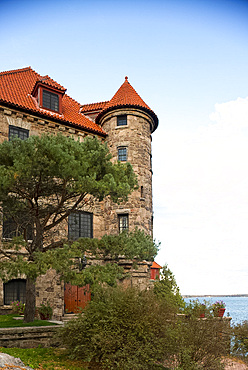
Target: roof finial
(126, 78)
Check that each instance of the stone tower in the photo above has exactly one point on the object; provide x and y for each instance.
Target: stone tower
(129, 123)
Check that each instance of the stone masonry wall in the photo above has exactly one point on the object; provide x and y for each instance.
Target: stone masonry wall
(29, 337)
(136, 137)
(37, 126)
(50, 289)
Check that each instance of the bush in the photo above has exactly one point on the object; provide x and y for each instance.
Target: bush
(240, 340)
(18, 307)
(129, 329)
(166, 288)
(45, 311)
(123, 329)
(196, 308)
(201, 343)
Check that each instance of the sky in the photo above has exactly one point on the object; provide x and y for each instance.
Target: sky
(188, 60)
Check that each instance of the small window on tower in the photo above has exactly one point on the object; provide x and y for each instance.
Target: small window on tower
(141, 192)
(122, 120)
(122, 154)
(123, 222)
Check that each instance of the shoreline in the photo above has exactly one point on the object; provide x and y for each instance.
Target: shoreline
(213, 295)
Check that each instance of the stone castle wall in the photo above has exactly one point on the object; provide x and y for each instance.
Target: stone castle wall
(37, 126)
(136, 136)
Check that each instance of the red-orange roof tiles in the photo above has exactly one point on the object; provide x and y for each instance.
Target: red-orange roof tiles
(93, 107)
(16, 87)
(155, 265)
(48, 81)
(127, 96)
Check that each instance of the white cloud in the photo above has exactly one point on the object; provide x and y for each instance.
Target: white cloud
(201, 201)
(232, 114)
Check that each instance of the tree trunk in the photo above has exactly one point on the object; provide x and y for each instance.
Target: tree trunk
(29, 312)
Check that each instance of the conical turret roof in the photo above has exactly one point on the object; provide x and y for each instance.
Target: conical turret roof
(127, 96)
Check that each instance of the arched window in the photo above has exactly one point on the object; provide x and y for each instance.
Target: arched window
(15, 290)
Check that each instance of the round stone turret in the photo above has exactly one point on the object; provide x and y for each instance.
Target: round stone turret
(129, 122)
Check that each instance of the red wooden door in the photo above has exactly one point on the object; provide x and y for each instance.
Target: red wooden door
(76, 297)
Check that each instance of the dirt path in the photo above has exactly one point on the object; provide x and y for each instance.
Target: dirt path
(233, 364)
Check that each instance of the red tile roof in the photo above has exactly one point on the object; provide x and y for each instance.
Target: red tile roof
(155, 265)
(46, 80)
(16, 87)
(86, 108)
(126, 96)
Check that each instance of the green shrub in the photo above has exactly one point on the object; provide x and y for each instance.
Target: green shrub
(166, 288)
(196, 308)
(240, 340)
(123, 329)
(45, 311)
(201, 343)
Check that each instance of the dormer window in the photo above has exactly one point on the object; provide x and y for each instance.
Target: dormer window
(48, 94)
(50, 100)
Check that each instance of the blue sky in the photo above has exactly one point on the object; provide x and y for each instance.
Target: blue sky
(189, 61)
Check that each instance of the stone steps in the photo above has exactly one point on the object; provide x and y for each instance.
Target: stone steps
(69, 316)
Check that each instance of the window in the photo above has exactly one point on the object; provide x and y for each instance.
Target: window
(14, 131)
(80, 225)
(122, 154)
(16, 226)
(123, 222)
(15, 290)
(50, 100)
(141, 192)
(122, 120)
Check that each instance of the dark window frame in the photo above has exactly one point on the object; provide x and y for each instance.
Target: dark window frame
(123, 222)
(50, 100)
(122, 153)
(12, 228)
(18, 132)
(14, 290)
(80, 225)
(122, 120)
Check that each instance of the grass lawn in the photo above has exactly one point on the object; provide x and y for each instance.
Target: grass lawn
(7, 321)
(45, 358)
(51, 359)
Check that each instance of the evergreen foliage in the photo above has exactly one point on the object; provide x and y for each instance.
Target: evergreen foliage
(42, 180)
(167, 288)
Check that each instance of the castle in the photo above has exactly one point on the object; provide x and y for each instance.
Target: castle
(31, 104)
